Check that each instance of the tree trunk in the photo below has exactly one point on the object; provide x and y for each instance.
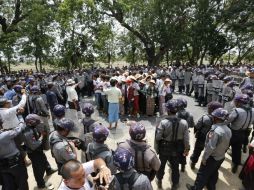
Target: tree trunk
(40, 63)
(133, 55)
(154, 59)
(167, 57)
(36, 64)
(9, 64)
(109, 58)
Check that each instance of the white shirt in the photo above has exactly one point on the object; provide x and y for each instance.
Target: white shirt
(113, 94)
(72, 93)
(9, 115)
(89, 168)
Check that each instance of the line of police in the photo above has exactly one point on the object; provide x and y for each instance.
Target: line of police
(171, 134)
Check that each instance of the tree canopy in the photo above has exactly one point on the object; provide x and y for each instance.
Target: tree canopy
(69, 33)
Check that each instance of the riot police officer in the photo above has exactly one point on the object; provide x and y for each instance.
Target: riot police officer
(34, 149)
(89, 125)
(98, 149)
(186, 115)
(38, 106)
(62, 148)
(241, 118)
(216, 145)
(59, 112)
(146, 160)
(172, 135)
(201, 129)
(12, 166)
(128, 177)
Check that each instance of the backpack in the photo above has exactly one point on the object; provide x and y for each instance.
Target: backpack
(102, 152)
(126, 183)
(139, 157)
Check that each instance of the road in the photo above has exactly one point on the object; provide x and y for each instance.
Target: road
(227, 180)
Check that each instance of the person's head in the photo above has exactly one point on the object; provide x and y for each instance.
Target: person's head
(123, 159)
(137, 131)
(172, 106)
(100, 133)
(32, 120)
(182, 103)
(4, 102)
(248, 86)
(226, 79)
(113, 82)
(70, 82)
(35, 90)
(59, 111)
(50, 85)
(213, 106)
(64, 126)
(73, 174)
(241, 100)
(88, 109)
(219, 115)
(152, 83)
(17, 89)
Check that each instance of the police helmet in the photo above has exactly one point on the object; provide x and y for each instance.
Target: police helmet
(66, 124)
(182, 103)
(100, 133)
(35, 89)
(227, 78)
(248, 92)
(123, 159)
(220, 113)
(88, 109)
(172, 106)
(137, 131)
(59, 110)
(32, 120)
(18, 88)
(214, 105)
(248, 86)
(242, 99)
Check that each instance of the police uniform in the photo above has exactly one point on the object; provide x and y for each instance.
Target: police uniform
(38, 106)
(171, 134)
(180, 76)
(240, 120)
(12, 167)
(216, 145)
(209, 91)
(139, 182)
(146, 160)
(187, 80)
(201, 129)
(36, 155)
(184, 114)
(61, 149)
(173, 77)
(217, 88)
(201, 89)
(99, 150)
(228, 94)
(247, 80)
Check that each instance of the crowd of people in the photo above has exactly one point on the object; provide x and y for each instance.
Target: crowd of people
(28, 100)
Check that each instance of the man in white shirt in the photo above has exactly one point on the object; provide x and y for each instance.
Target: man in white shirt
(72, 94)
(75, 175)
(114, 94)
(9, 114)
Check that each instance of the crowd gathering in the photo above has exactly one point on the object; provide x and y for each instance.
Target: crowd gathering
(28, 101)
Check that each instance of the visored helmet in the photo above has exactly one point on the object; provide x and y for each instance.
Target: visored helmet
(137, 131)
(220, 113)
(123, 159)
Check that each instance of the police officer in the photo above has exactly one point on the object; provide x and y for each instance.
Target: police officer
(59, 112)
(241, 118)
(209, 88)
(216, 145)
(173, 77)
(62, 148)
(34, 149)
(172, 135)
(146, 160)
(249, 79)
(201, 129)
(51, 98)
(201, 88)
(13, 171)
(184, 114)
(38, 106)
(98, 149)
(128, 177)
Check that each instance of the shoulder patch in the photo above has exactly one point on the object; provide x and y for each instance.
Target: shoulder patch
(68, 149)
(210, 134)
